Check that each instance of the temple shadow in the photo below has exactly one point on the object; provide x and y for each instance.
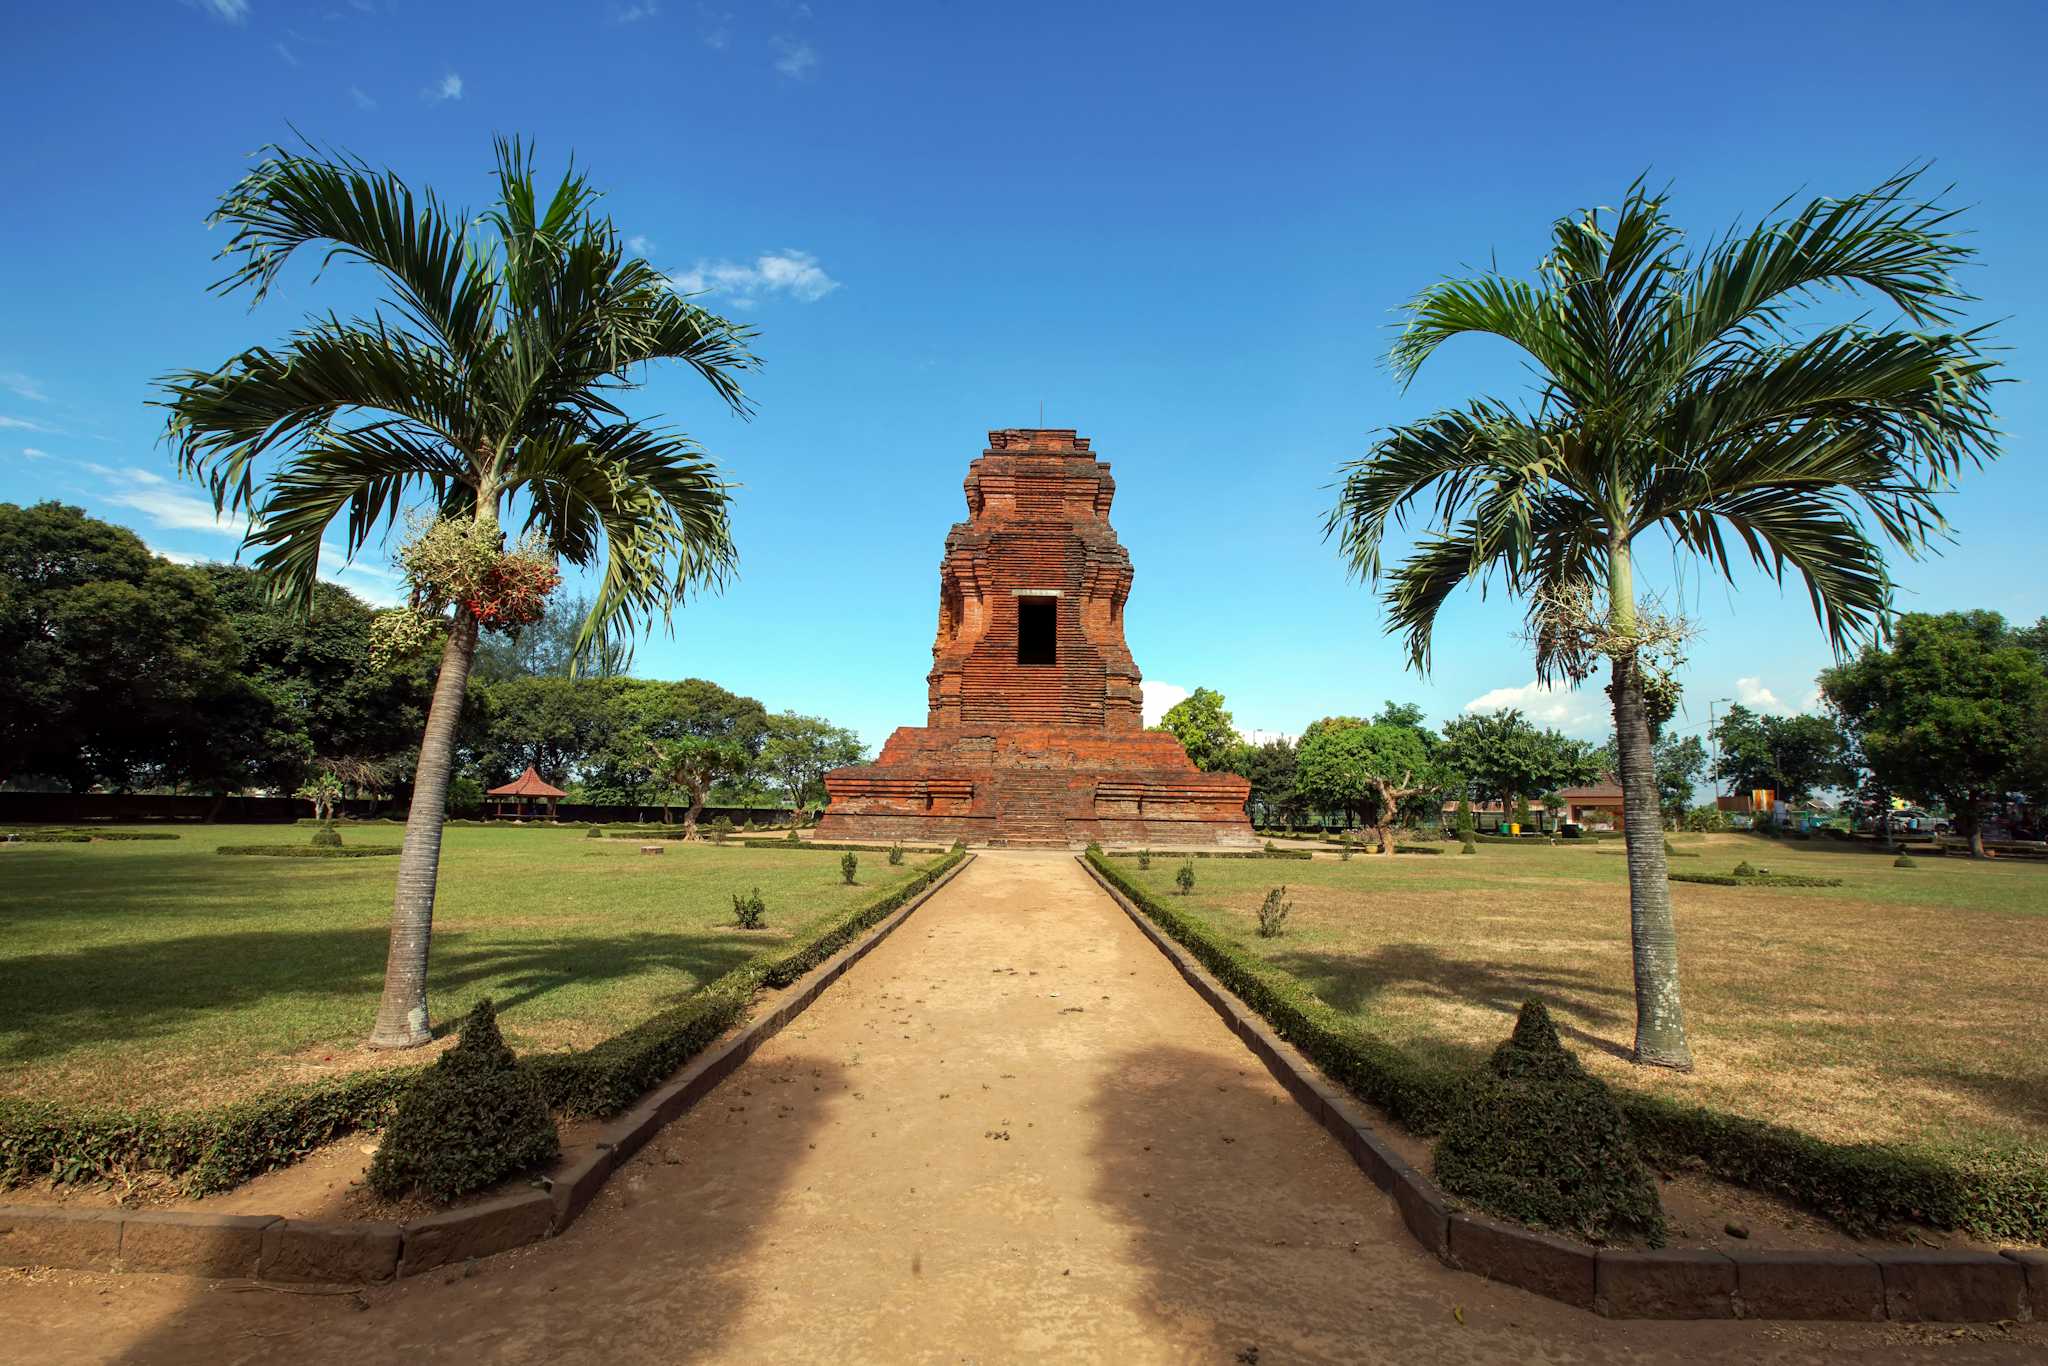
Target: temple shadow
(1354, 983)
(656, 1268)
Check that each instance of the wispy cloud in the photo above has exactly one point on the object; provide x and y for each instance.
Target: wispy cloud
(228, 11)
(21, 386)
(34, 453)
(714, 26)
(22, 424)
(449, 87)
(362, 100)
(160, 501)
(1751, 692)
(184, 557)
(285, 53)
(1543, 704)
(796, 60)
(640, 244)
(633, 13)
(795, 274)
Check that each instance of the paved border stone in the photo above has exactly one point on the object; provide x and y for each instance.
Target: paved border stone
(1554, 1267)
(476, 1230)
(1795, 1284)
(2034, 1266)
(1922, 1286)
(340, 1253)
(32, 1235)
(1667, 1283)
(194, 1243)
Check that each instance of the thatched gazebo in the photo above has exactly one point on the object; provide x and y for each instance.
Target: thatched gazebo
(527, 788)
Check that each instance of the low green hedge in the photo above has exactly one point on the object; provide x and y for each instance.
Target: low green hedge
(836, 848)
(310, 850)
(1998, 1194)
(1756, 879)
(217, 1149)
(1418, 848)
(47, 837)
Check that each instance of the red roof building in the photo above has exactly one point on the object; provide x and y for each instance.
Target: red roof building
(528, 788)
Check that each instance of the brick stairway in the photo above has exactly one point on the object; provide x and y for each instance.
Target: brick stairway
(1030, 801)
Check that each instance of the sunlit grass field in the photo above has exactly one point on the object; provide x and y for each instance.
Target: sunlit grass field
(1907, 1005)
(163, 973)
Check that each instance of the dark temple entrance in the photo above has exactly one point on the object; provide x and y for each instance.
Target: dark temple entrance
(1038, 630)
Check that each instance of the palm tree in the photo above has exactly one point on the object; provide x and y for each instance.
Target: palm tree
(1678, 392)
(487, 392)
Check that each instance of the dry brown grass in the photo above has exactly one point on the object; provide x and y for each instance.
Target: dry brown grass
(1905, 1006)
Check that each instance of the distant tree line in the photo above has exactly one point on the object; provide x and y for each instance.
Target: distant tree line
(121, 670)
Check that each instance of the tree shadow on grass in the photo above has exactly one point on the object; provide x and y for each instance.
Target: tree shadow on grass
(2018, 1096)
(123, 993)
(1353, 983)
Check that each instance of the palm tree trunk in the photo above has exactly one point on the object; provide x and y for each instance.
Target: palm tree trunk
(402, 1020)
(1653, 937)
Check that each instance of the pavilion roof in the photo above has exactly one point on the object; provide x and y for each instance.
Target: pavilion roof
(527, 784)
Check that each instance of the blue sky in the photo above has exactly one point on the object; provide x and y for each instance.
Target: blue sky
(1183, 229)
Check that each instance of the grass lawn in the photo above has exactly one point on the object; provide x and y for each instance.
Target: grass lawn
(161, 972)
(1905, 1006)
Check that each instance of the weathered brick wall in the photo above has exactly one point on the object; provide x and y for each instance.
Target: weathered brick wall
(1035, 753)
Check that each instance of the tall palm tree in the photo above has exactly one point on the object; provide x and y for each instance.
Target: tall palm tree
(487, 393)
(1683, 392)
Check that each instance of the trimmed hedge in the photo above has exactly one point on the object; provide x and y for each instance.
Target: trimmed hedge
(311, 850)
(48, 837)
(471, 1120)
(786, 845)
(217, 1149)
(1756, 879)
(1999, 1194)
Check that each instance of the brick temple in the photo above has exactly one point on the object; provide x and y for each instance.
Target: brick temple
(1035, 735)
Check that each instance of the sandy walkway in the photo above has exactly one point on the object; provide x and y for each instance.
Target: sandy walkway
(1011, 1133)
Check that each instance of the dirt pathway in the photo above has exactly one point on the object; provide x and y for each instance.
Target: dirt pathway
(1011, 1133)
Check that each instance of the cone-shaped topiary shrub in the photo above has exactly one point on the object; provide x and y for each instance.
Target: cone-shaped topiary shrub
(895, 854)
(1743, 869)
(1905, 861)
(1470, 846)
(593, 833)
(848, 866)
(1538, 1140)
(471, 1120)
(325, 836)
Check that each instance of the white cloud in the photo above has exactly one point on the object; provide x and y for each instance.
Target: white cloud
(1159, 699)
(791, 272)
(714, 26)
(362, 100)
(285, 53)
(21, 386)
(157, 499)
(1545, 705)
(448, 88)
(793, 59)
(640, 244)
(35, 453)
(184, 557)
(635, 12)
(230, 11)
(1751, 692)
(22, 424)
(367, 583)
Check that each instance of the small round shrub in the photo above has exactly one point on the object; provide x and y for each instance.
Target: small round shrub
(848, 866)
(1185, 878)
(749, 912)
(593, 833)
(895, 855)
(472, 1119)
(1905, 861)
(1743, 869)
(326, 837)
(1537, 1139)
(1145, 858)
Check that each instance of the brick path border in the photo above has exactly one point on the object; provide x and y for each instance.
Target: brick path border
(1903, 1285)
(338, 1252)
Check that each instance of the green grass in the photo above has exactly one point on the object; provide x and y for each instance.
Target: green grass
(1904, 1006)
(160, 973)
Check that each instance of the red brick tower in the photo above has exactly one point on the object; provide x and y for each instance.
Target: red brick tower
(1034, 735)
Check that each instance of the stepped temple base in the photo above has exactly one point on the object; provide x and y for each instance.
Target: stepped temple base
(1004, 784)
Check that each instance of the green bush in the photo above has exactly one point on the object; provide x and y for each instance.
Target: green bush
(1466, 846)
(48, 837)
(1273, 914)
(749, 912)
(1998, 1195)
(310, 850)
(1743, 869)
(1144, 858)
(327, 837)
(895, 855)
(594, 833)
(1418, 849)
(1185, 878)
(1756, 879)
(465, 796)
(720, 829)
(848, 866)
(1344, 846)
(471, 1120)
(1905, 861)
(1536, 1139)
(792, 837)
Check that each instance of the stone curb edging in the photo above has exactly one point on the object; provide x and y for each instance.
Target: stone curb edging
(1901, 1285)
(334, 1252)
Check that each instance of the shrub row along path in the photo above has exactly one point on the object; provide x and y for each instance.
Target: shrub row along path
(1010, 1133)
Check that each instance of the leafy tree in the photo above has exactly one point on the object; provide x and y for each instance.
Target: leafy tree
(1505, 757)
(1270, 769)
(547, 648)
(1793, 756)
(1682, 393)
(487, 390)
(798, 751)
(549, 721)
(1954, 710)
(1680, 761)
(116, 666)
(1365, 771)
(690, 764)
(1203, 728)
